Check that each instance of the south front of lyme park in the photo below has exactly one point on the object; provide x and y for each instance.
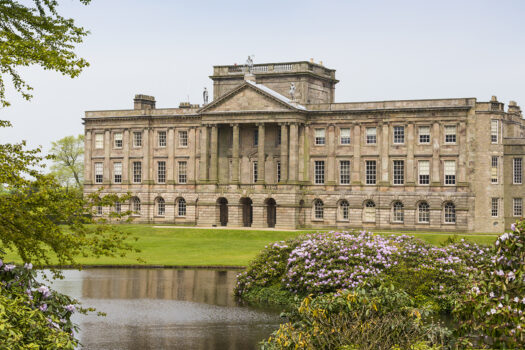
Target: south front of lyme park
(272, 148)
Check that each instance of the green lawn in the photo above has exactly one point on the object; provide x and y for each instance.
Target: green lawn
(221, 247)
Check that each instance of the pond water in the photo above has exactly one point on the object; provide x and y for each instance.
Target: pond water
(165, 309)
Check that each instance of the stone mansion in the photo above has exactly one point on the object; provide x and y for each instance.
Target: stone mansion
(273, 149)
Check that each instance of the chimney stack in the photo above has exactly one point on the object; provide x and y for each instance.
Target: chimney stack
(144, 102)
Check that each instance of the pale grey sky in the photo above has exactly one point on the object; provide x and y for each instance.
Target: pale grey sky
(382, 50)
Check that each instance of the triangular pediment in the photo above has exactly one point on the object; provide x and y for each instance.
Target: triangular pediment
(249, 97)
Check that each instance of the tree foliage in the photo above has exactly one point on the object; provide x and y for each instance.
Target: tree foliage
(68, 165)
(34, 33)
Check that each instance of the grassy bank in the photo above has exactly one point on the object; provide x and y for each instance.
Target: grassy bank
(220, 247)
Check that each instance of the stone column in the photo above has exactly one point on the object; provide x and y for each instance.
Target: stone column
(294, 152)
(462, 145)
(306, 152)
(125, 161)
(214, 150)
(88, 166)
(356, 161)
(284, 152)
(235, 153)
(331, 167)
(191, 165)
(385, 139)
(107, 152)
(410, 169)
(203, 167)
(261, 156)
(170, 166)
(145, 152)
(436, 137)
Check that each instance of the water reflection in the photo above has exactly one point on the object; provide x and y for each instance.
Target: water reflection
(165, 309)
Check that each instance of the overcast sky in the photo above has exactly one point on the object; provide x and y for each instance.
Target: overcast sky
(382, 50)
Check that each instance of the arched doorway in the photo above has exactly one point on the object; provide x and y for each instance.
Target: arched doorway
(271, 217)
(247, 212)
(223, 211)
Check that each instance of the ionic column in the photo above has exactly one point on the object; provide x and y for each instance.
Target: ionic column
(356, 166)
(261, 157)
(293, 152)
(192, 164)
(203, 168)
(170, 171)
(235, 153)
(214, 150)
(284, 153)
(125, 162)
(435, 154)
(145, 163)
(88, 166)
(410, 169)
(331, 166)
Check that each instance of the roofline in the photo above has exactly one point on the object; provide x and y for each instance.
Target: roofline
(278, 63)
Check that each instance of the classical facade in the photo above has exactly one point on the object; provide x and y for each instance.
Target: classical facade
(265, 154)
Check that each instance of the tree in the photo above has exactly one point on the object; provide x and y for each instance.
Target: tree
(36, 34)
(68, 162)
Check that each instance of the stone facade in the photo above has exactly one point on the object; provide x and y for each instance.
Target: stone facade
(254, 157)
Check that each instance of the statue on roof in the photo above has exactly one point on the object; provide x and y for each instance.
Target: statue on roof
(205, 96)
(249, 65)
(292, 91)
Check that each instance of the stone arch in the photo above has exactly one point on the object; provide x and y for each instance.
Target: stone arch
(222, 211)
(247, 211)
(270, 212)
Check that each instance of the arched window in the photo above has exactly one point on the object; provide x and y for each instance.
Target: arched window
(369, 212)
(181, 207)
(423, 213)
(343, 210)
(397, 212)
(135, 206)
(161, 206)
(450, 213)
(318, 209)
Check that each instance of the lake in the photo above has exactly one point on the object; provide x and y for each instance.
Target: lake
(165, 309)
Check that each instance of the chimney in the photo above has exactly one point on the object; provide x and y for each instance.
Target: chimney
(144, 102)
(514, 108)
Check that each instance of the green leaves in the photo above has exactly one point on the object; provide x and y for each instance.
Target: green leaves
(36, 35)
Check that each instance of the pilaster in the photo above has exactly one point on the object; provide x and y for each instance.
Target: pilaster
(284, 152)
(203, 168)
(214, 150)
(261, 156)
(235, 153)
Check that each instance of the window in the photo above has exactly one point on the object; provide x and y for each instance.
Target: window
(319, 172)
(181, 204)
(135, 206)
(256, 137)
(318, 209)
(278, 171)
(162, 138)
(137, 139)
(399, 172)
(424, 172)
(450, 172)
(517, 171)
(137, 172)
(494, 170)
(370, 172)
(279, 136)
(397, 212)
(369, 212)
(344, 210)
(424, 134)
(450, 134)
(399, 134)
(99, 141)
(117, 173)
(320, 138)
(183, 176)
(161, 172)
(371, 136)
(161, 207)
(117, 139)
(344, 172)
(494, 207)
(494, 131)
(99, 172)
(99, 210)
(450, 213)
(118, 207)
(517, 207)
(345, 136)
(423, 213)
(255, 172)
(183, 138)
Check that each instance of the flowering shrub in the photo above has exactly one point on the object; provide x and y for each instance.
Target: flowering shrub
(33, 316)
(492, 310)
